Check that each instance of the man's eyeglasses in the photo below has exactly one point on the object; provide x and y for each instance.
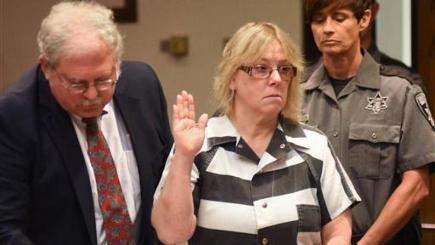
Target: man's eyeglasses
(286, 72)
(81, 87)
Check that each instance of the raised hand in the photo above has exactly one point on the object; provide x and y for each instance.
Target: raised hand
(188, 134)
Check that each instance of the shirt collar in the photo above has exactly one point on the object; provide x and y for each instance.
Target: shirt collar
(108, 108)
(220, 130)
(367, 76)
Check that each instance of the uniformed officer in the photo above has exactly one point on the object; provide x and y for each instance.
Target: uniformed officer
(378, 122)
(368, 43)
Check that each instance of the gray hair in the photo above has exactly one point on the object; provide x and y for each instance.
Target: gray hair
(67, 20)
(246, 46)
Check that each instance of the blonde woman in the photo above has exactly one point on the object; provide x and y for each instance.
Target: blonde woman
(253, 175)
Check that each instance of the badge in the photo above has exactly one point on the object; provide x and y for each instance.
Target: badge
(377, 103)
(420, 98)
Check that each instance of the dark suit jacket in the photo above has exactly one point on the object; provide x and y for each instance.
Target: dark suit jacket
(45, 194)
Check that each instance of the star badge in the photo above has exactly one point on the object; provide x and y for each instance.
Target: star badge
(377, 103)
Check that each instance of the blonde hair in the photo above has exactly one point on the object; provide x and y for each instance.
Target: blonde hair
(246, 46)
(69, 20)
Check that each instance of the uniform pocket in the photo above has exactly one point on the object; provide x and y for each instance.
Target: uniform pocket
(368, 145)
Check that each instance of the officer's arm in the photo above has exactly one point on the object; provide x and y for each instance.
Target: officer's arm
(400, 207)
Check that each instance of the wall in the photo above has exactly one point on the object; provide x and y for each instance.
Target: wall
(19, 24)
(393, 25)
(426, 48)
(205, 22)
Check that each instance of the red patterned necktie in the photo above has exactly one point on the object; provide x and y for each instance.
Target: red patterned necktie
(116, 220)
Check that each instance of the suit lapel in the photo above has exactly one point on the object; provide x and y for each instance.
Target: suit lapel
(59, 126)
(141, 136)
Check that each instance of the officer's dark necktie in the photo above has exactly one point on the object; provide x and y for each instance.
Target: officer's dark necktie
(116, 220)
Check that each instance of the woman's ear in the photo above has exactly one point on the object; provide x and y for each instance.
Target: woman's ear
(233, 83)
(364, 22)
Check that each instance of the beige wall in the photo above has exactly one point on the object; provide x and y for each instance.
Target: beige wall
(19, 24)
(205, 22)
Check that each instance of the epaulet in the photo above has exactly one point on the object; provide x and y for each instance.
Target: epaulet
(397, 71)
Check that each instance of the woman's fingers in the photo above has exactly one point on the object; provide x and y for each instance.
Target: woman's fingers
(174, 113)
(185, 105)
(191, 107)
(185, 109)
(202, 120)
(179, 106)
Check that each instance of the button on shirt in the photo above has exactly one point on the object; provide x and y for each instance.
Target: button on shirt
(286, 196)
(118, 140)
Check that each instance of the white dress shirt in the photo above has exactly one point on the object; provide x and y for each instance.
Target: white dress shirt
(118, 140)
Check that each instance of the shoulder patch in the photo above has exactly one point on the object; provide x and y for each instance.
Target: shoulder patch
(420, 98)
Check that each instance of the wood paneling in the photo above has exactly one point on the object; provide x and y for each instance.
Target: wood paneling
(426, 68)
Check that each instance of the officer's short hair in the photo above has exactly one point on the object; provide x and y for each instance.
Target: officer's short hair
(358, 7)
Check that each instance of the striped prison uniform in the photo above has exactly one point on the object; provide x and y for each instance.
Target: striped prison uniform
(284, 197)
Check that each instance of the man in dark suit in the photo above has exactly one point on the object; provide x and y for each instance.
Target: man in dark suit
(55, 186)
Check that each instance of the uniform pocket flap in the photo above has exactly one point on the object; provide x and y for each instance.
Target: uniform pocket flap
(374, 132)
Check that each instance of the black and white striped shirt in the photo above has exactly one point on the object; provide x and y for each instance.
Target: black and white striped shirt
(284, 197)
